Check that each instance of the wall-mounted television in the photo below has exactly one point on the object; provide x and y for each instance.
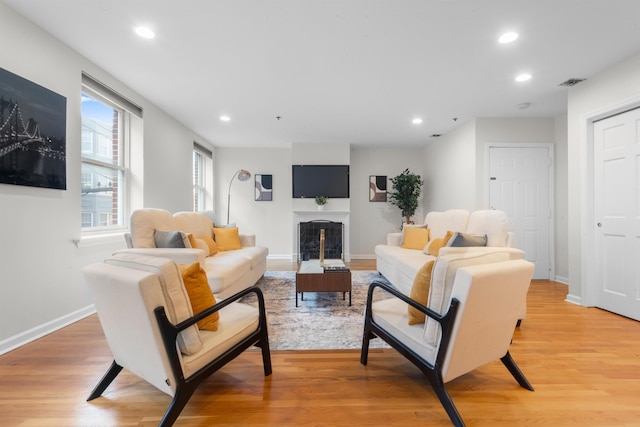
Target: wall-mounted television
(310, 181)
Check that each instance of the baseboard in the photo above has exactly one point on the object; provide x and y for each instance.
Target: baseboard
(33, 334)
(279, 257)
(574, 299)
(562, 279)
(363, 256)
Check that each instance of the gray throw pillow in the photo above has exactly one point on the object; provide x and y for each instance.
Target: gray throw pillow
(461, 240)
(169, 239)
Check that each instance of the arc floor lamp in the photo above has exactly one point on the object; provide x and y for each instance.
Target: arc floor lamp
(243, 175)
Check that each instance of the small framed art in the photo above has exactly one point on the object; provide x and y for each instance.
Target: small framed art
(264, 187)
(377, 188)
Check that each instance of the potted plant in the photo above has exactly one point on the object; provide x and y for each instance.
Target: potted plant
(321, 201)
(405, 193)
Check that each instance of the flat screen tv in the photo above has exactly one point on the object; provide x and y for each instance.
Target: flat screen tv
(310, 181)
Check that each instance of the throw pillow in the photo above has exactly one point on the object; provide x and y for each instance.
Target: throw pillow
(415, 237)
(192, 241)
(420, 293)
(200, 295)
(437, 243)
(463, 240)
(213, 247)
(170, 239)
(227, 239)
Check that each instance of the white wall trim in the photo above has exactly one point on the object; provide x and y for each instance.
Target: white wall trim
(573, 299)
(33, 334)
(587, 202)
(562, 279)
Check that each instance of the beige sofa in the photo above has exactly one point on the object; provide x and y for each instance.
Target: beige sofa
(228, 271)
(400, 265)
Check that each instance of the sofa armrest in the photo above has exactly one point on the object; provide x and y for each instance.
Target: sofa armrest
(247, 240)
(177, 255)
(394, 239)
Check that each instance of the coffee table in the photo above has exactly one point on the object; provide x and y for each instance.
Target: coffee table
(332, 276)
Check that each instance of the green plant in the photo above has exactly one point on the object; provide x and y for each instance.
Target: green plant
(405, 193)
(321, 200)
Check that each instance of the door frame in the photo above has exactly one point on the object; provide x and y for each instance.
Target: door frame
(588, 286)
(550, 191)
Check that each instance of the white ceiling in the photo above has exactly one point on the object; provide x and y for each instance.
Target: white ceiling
(344, 71)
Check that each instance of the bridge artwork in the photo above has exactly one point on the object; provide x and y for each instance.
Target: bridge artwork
(32, 134)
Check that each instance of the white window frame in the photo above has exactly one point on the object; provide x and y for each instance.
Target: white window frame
(206, 174)
(126, 109)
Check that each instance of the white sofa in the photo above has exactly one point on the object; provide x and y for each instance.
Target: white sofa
(228, 271)
(400, 265)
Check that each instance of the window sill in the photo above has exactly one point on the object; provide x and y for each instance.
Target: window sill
(100, 239)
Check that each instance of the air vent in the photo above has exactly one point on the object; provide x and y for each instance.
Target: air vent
(436, 135)
(571, 82)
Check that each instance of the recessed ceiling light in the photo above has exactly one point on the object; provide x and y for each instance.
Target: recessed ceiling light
(145, 32)
(507, 38)
(225, 118)
(416, 121)
(523, 77)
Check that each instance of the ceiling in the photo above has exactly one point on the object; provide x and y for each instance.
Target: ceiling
(344, 71)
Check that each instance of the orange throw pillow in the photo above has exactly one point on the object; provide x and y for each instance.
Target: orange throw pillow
(420, 293)
(200, 295)
(439, 242)
(227, 239)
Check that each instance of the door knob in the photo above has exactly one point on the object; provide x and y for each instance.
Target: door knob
(599, 224)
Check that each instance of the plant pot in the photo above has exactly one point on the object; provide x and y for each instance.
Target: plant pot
(320, 207)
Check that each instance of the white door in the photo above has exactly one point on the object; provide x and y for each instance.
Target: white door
(616, 143)
(519, 184)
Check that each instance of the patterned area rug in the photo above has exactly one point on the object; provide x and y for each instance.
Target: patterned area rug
(322, 321)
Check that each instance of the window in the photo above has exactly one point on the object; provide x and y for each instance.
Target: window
(106, 118)
(202, 169)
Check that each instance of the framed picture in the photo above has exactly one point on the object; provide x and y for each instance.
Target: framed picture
(264, 187)
(32, 134)
(377, 188)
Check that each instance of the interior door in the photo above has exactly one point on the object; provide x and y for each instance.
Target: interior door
(617, 213)
(520, 185)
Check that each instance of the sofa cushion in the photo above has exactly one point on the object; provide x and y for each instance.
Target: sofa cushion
(227, 238)
(441, 222)
(170, 239)
(415, 237)
(225, 268)
(493, 223)
(442, 280)
(177, 305)
(192, 222)
(200, 295)
(463, 240)
(145, 221)
(420, 293)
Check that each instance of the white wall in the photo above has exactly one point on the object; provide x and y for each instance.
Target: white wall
(41, 286)
(615, 89)
(450, 170)
(561, 202)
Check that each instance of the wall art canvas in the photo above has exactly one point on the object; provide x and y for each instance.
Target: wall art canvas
(377, 188)
(264, 187)
(32, 134)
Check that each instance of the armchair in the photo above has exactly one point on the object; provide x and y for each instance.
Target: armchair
(148, 322)
(471, 315)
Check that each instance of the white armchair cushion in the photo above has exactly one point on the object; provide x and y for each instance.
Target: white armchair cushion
(442, 279)
(178, 306)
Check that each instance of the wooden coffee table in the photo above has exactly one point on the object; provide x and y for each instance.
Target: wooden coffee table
(332, 276)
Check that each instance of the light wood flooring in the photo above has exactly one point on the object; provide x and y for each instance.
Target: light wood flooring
(583, 362)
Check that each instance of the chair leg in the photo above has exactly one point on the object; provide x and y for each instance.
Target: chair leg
(445, 400)
(180, 399)
(508, 361)
(108, 377)
(266, 357)
(364, 352)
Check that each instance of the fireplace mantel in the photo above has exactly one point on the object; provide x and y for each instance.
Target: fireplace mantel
(316, 215)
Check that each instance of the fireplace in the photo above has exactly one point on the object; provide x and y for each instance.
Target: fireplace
(309, 239)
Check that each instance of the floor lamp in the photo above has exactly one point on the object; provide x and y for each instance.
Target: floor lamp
(242, 175)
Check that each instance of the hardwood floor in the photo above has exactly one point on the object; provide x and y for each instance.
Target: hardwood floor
(583, 362)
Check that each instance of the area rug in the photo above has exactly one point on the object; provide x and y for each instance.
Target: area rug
(322, 321)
